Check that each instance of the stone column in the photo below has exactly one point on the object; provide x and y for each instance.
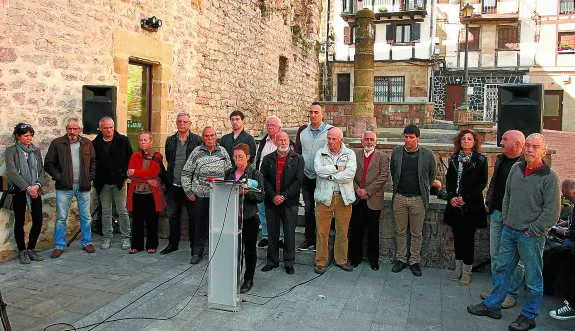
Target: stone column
(362, 111)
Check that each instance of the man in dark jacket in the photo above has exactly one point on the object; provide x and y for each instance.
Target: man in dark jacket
(71, 161)
(178, 147)
(283, 177)
(238, 136)
(511, 147)
(113, 152)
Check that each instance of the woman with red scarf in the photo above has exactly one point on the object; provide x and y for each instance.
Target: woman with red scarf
(145, 195)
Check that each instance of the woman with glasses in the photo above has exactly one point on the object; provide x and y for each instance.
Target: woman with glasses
(246, 172)
(25, 172)
(465, 211)
(145, 195)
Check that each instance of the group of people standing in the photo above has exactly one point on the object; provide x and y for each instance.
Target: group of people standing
(335, 181)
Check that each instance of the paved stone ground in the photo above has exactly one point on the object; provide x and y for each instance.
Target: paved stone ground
(86, 289)
(562, 142)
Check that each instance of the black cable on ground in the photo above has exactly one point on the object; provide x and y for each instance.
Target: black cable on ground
(107, 320)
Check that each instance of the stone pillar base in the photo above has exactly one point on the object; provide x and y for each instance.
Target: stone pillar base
(357, 125)
(462, 116)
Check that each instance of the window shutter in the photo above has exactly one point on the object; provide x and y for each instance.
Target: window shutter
(347, 35)
(415, 32)
(390, 33)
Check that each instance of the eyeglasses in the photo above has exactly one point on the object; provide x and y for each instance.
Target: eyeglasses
(23, 125)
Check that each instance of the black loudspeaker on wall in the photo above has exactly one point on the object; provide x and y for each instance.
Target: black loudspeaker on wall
(520, 108)
(97, 101)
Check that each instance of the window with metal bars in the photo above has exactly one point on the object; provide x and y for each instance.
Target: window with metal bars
(508, 37)
(388, 89)
(566, 6)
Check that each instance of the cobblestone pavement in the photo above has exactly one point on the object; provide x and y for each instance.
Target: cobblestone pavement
(563, 160)
(140, 290)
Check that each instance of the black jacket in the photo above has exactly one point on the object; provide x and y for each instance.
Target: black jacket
(491, 189)
(261, 145)
(193, 141)
(117, 161)
(227, 141)
(473, 181)
(252, 198)
(291, 181)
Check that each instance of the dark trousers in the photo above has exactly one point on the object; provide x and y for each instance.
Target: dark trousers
(144, 214)
(362, 219)
(250, 229)
(177, 199)
(307, 190)
(19, 207)
(201, 222)
(559, 266)
(287, 215)
(464, 241)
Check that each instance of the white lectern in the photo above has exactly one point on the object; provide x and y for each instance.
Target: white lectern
(225, 246)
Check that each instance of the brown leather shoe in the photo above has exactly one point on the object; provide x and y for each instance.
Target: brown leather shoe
(319, 269)
(89, 248)
(56, 253)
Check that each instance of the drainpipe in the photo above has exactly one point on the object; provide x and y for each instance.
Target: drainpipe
(326, 91)
(431, 47)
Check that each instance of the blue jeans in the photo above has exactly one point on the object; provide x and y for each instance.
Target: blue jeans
(516, 245)
(63, 200)
(264, 223)
(495, 237)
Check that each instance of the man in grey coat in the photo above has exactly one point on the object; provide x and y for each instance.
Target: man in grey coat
(531, 205)
(413, 171)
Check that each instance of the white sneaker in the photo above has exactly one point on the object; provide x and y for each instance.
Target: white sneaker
(106, 243)
(563, 313)
(126, 243)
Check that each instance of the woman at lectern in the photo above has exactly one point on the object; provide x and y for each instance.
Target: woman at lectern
(245, 172)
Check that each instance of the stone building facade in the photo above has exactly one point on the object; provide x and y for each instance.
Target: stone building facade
(208, 58)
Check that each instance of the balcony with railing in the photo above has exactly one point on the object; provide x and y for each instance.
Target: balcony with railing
(386, 10)
(566, 7)
(489, 10)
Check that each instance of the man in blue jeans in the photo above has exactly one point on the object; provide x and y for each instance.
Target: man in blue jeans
(531, 205)
(511, 147)
(71, 161)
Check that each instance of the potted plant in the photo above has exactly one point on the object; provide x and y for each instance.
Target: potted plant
(382, 9)
(418, 6)
(564, 46)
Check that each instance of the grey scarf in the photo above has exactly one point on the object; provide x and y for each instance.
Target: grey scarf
(28, 165)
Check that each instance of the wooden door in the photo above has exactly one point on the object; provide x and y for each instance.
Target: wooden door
(343, 87)
(453, 97)
(552, 110)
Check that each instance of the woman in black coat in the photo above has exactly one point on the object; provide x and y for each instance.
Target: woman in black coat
(245, 171)
(465, 211)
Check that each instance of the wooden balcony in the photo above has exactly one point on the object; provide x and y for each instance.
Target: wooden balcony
(386, 10)
(492, 10)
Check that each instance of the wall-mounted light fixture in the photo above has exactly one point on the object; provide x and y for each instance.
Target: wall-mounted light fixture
(150, 23)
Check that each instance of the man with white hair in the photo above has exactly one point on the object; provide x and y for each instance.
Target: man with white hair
(283, 175)
(267, 146)
(531, 205)
(71, 161)
(371, 175)
(113, 152)
(335, 167)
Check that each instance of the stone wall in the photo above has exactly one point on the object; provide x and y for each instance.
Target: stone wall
(477, 81)
(208, 59)
(388, 115)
